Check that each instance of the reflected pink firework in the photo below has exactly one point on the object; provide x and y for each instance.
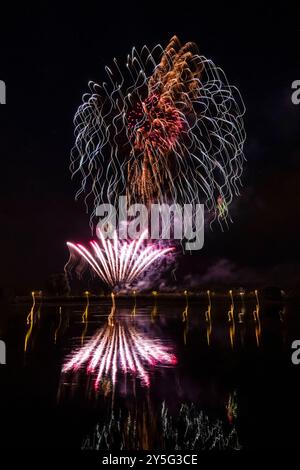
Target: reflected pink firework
(119, 348)
(119, 262)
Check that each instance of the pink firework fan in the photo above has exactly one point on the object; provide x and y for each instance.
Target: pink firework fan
(119, 348)
(118, 263)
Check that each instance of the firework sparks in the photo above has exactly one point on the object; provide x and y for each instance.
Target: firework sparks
(189, 429)
(119, 263)
(117, 348)
(165, 126)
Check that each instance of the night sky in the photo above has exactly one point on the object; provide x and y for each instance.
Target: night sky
(47, 57)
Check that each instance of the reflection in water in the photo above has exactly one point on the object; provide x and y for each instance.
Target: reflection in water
(231, 407)
(241, 318)
(208, 319)
(58, 326)
(282, 314)
(231, 320)
(242, 312)
(238, 321)
(152, 428)
(154, 311)
(185, 317)
(133, 313)
(132, 428)
(119, 347)
(256, 316)
(33, 316)
(118, 355)
(85, 316)
(282, 317)
(193, 430)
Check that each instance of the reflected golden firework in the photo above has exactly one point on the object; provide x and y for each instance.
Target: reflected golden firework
(208, 319)
(58, 326)
(256, 316)
(185, 317)
(231, 320)
(32, 317)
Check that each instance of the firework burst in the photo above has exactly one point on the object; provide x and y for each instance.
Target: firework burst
(116, 262)
(166, 125)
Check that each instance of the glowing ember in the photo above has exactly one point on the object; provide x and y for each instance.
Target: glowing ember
(117, 262)
(119, 348)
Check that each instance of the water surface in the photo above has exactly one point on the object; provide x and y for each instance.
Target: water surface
(152, 374)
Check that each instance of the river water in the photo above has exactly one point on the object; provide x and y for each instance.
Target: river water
(151, 374)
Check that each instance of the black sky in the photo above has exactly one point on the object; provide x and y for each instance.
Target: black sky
(48, 55)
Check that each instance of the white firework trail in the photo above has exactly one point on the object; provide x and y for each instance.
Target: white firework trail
(165, 125)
